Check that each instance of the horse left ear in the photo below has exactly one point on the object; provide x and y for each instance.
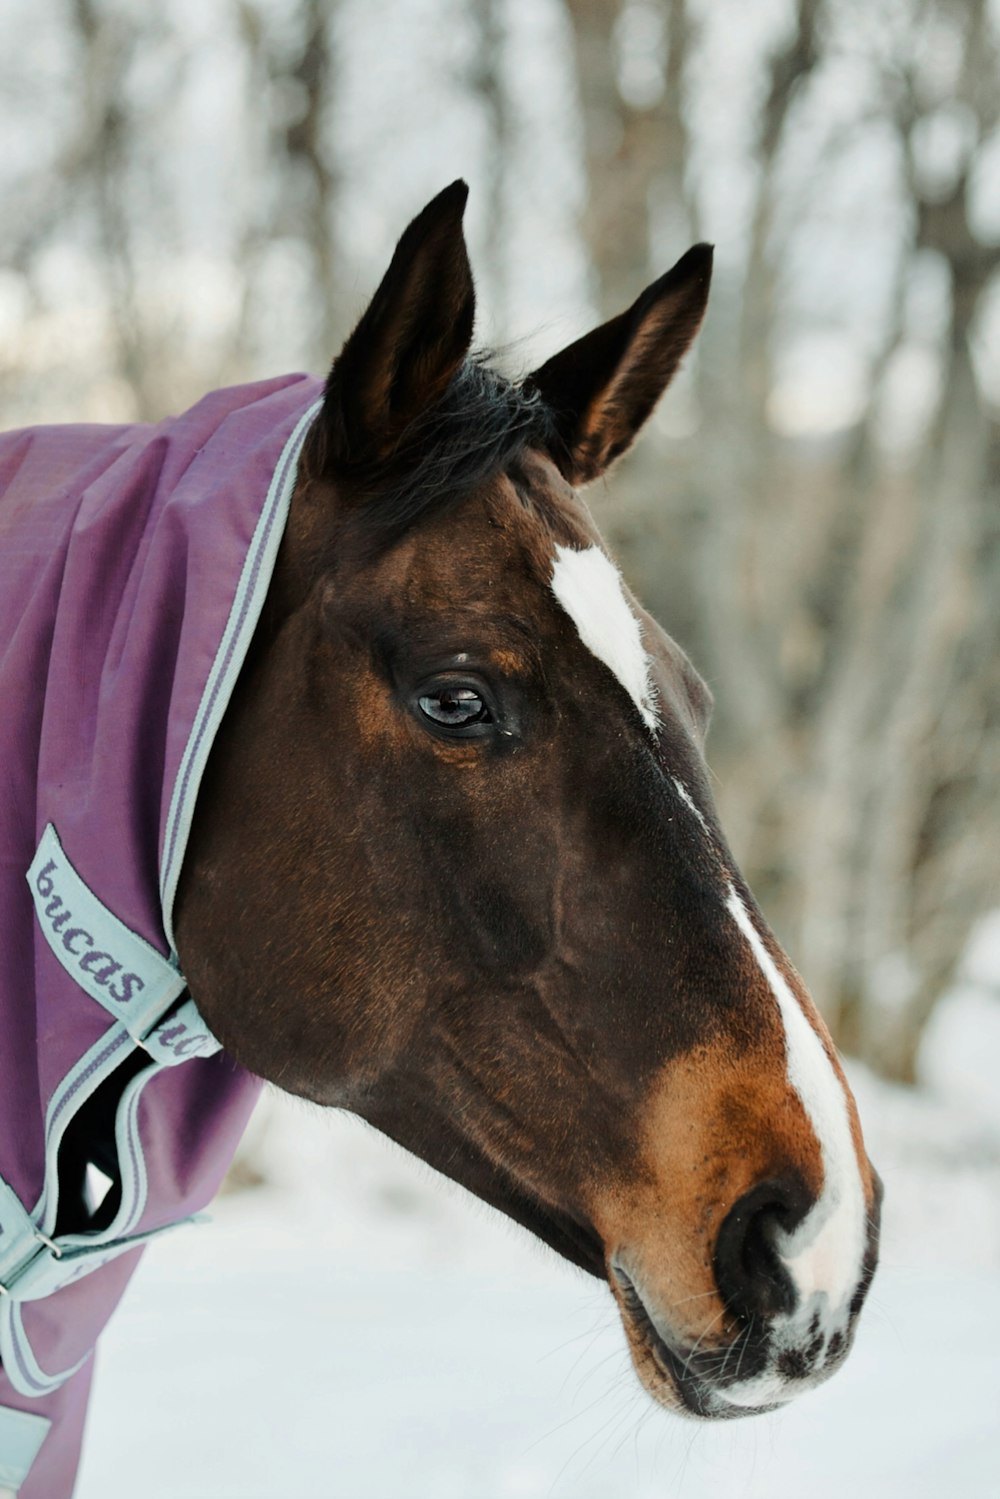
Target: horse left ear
(409, 343)
(602, 388)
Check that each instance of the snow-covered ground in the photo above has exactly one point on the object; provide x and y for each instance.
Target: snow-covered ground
(356, 1329)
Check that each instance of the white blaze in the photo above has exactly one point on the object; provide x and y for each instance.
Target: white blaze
(689, 802)
(824, 1254)
(589, 588)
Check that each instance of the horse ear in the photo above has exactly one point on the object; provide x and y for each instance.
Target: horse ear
(602, 388)
(409, 343)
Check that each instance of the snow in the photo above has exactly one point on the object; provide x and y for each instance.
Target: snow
(282, 1368)
(357, 1328)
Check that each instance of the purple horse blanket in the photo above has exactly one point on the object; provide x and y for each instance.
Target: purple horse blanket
(134, 561)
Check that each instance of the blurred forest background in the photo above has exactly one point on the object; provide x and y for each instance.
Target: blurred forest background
(199, 194)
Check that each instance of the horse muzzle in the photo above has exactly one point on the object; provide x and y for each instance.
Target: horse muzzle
(765, 1333)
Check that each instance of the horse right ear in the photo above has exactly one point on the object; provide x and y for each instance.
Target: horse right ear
(409, 343)
(603, 387)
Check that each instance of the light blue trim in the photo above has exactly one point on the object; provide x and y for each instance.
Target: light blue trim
(77, 1086)
(74, 1090)
(32, 1267)
(19, 1362)
(180, 1036)
(255, 579)
(51, 1270)
(18, 1235)
(131, 1159)
(114, 965)
(21, 1436)
(132, 981)
(76, 1256)
(38, 1270)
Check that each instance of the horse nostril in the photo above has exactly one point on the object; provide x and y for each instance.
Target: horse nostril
(748, 1268)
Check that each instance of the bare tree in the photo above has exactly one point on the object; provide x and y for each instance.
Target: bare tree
(841, 592)
(291, 70)
(624, 148)
(844, 600)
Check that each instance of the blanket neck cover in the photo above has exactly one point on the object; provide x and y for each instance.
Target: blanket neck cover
(134, 562)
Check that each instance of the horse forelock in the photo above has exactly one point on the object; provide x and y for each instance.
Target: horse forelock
(477, 429)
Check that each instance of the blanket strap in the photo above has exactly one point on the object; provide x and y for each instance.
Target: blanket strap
(21, 1435)
(123, 972)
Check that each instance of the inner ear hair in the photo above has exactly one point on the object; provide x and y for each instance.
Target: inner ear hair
(602, 388)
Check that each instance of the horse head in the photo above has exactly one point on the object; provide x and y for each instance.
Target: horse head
(456, 865)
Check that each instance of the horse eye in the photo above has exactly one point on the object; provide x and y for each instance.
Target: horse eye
(454, 707)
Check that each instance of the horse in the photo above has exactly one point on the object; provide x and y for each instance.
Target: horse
(405, 811)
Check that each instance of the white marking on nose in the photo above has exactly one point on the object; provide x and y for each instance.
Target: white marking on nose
(765, 1390)
(589, 588)
(824, 1254)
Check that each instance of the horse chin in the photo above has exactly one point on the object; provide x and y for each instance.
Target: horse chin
(678, 1378)
(665, 1375)
(660, 1366)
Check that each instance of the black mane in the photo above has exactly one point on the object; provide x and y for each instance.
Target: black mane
(477, 429)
